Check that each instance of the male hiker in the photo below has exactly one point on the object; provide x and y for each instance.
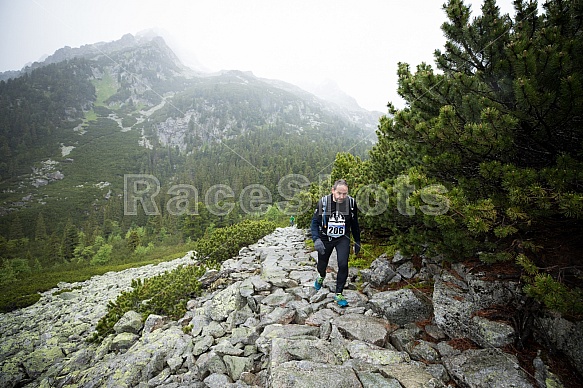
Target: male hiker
(335, 218)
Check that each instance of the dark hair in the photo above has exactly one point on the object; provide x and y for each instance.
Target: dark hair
(339, 182)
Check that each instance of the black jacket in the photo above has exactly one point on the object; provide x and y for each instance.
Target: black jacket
(326, 207)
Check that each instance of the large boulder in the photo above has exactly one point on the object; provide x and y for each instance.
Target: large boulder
(402, 306)
(130, 322)
(455, 303)
(487, 368)
(380, 272)
(564, 335)
(308, 374)
(368, 329)
(225, 302)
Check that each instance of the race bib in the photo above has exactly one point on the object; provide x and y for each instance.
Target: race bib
(336, 228)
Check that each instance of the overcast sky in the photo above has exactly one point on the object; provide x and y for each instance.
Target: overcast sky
(357, 44)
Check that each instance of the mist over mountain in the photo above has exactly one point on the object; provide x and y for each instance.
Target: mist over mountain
(74, 124)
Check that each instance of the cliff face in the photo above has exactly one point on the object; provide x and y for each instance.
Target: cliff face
(262, 324)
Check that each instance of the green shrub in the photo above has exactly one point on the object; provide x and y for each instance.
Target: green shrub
(549, 291)
(168, 293)
(164, 294)
(225, 243)
(103, 255)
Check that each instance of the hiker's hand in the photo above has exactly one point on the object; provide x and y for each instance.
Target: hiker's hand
(356, 247)
(319, 245)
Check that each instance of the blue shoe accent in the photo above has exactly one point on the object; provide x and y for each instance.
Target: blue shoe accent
(341, 300)
(318, 283)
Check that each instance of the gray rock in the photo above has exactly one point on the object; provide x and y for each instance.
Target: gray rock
(40, 359)
(253, 332)
(487, 368)
(281, 315)
(446, 350)
(243, 335)
(367, 329)
(377, 380)
(283, 282)
(123, 341)
(320, 317)
(316, 350)
(303, 310)
(198, 323)
(452, 308)
(217, 380)
(130, 322)
(213, 329)
(424, 351)
(307, 374)
(237, 365)
(412, 375)
(398, 258)
(202, 344)
(225, 302)
(225, 348)
(401, 306)
(376, 355)
(545, 378)
(435, 332)
(403, 339)
(565, 335)
(407, 270)
(492, 334)
(209, 363)
(455, 303)
(380, 272)
(438, 371)
(278, 298)
(154, 322)
(284, 331)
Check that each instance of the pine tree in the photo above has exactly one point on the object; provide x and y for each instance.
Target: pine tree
(40, 232)
(497, 124)
(16, 230)
(53, 251)
(133, 239)
(70, 240)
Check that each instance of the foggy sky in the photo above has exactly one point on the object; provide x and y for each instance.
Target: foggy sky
(355, 44)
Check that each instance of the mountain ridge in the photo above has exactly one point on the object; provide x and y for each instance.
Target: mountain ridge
(327, 90)
(86, 116)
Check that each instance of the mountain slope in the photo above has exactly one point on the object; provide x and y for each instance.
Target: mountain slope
(73, 126)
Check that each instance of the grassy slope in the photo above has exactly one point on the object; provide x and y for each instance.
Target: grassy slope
(27, 291)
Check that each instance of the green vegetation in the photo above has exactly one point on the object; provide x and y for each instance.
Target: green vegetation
(486, 159)
(224, 243)
(168, 293)
(165, 295)
(105, 87)
(369, 252)
(25, 290)
(551, 292)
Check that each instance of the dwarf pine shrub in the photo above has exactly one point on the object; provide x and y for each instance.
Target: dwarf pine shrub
(167, 294)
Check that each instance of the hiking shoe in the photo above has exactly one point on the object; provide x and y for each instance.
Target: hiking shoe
(318, 283)
(341, 300)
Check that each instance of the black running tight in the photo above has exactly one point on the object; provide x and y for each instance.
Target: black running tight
(342, 245)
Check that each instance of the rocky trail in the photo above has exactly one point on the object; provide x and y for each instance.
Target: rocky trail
(261, 323)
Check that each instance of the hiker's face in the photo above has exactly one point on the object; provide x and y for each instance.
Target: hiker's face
(339, 193)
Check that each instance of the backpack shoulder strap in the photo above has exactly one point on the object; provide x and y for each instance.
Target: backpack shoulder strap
(351, 204)
(324, 204)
